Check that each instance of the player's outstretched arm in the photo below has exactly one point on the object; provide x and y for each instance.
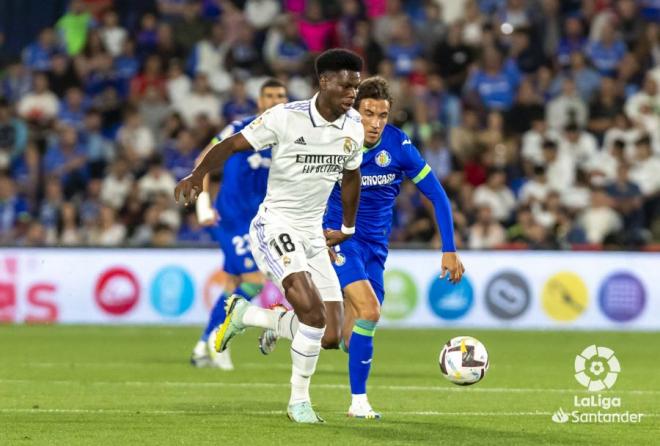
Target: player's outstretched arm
(350, 199)
(210, 160)
(429, 185)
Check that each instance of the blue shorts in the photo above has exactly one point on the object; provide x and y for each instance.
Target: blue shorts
(235, 244)
(360, 261)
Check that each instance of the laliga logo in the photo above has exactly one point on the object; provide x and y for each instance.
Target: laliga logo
(599, 360)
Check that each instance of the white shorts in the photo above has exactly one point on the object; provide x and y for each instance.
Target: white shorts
(280, 250)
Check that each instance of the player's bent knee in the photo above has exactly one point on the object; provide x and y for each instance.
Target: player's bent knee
(370, 312)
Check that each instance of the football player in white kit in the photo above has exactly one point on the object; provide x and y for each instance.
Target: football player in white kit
(314, 143)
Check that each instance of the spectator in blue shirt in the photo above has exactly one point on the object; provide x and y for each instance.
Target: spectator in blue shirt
(66, 158)
(16, 82)
(180, 159)
(404, 49)
(606, 53)
(239, 106)
(38, 54)
(13, 136)
(572, 41)
(13, 210)
(72, 108)
(494, 85)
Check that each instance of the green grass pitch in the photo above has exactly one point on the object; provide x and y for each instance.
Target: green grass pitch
(67, 385)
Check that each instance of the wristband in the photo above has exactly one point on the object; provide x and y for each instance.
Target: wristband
(203, 207)
(347, 231)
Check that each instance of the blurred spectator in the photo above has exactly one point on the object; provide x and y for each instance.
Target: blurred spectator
(35, 235)
(117, 184)
(579, 145)
(40, 105)
(568, 108)
(164, 236)
(317, 32)
(643, 109)
(607, 51)
(151, 77)
(208, 57)
(62, 76)
(573, 41)
(180, 159)
(599, 219)
(74, 26)
(100, 149)
(135, 139)
(537, 188)
(107, 232)
(239, 106)
(486, 232)
(38, 55)
(112, 33)
(261, 13)
(14, 210)
(494, 84)
(587, 80)
(66, 159)
(496, 195)
(452, 59)
(72, 108)
(403, 49)
(68, 229)
(644, 171)
(49, 210)
(156, 180)
(290, 54)
(16, 82)
(192, 232)
(627, 199)
(438, 155)
(154, 109)
(201, 100)
(527, 108)
(604, 108)
(191, 28)
(178, 84)
(13, 136)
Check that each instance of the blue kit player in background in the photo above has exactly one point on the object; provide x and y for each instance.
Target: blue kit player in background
(244, 180)
(388, 157)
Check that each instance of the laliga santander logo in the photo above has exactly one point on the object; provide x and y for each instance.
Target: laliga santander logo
(596, 368)
(117, 291)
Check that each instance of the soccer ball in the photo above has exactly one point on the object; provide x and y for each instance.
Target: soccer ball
(464, 360)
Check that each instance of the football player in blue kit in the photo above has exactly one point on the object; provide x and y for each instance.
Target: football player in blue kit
(244, 180)
(388, 157)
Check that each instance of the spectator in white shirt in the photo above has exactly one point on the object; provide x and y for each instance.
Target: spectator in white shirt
(599, 219)
(40, 105)
(495, 194)
(486, 232)
(581, 146)
(532, 141)
(136, 140)
(200, 100)
(112, 34)
(157, 180)
(566, 108)
(117, 185)
(645, 172)
(537, 188)
(108, 231)
(178, 84)
(560, 167)
(643, 108)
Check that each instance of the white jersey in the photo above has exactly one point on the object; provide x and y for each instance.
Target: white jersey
(309, 155)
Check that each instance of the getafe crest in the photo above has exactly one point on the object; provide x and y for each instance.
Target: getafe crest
(383, 158)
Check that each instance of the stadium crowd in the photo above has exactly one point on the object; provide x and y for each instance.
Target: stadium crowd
(541, 117)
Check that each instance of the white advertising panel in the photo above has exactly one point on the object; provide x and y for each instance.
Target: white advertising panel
(522, 289)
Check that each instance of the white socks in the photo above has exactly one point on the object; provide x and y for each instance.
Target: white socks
(359, 399)
(287, 325)
(305, 350)
(200, 349)
(261, 317)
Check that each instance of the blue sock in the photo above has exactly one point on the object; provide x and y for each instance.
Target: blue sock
(360, 353)
(216, 317)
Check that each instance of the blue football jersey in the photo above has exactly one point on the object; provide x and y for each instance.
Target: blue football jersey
(244, 180)
(383, 169)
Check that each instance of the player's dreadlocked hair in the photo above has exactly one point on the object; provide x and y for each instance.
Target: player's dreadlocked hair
(374, 87)
(270, 83)
(337, 59)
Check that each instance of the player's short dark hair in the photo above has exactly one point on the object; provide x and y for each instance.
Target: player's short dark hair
(374, 87)
(272, 83)
(337, 59)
